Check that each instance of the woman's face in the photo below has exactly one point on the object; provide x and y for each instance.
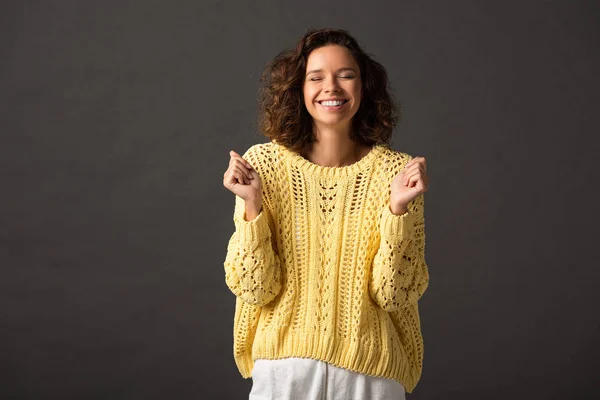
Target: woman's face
(332, 73)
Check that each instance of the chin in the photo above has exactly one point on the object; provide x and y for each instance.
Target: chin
(332, 123)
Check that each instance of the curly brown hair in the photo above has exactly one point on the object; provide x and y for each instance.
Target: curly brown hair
(283, 117)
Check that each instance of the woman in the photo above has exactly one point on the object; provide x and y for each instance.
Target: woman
(327, 258)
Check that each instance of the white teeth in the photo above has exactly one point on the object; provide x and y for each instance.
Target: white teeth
(333, 103)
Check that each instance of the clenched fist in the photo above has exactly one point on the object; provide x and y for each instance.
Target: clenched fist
(411, 182)
(243, 180)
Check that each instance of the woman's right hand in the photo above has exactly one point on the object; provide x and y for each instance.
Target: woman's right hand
(242, 179)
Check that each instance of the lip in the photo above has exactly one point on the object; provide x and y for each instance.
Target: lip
(332, 99)
(333, 108)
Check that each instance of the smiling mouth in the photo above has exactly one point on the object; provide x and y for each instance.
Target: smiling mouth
(333, 103)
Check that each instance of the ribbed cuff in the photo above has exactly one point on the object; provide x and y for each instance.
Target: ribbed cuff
(252, 232)
(396, 226)
(245, 365)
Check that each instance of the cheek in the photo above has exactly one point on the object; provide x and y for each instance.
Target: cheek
(358, 91)
(305, 94)
(357, 94)
(354, 88)
(308, 98)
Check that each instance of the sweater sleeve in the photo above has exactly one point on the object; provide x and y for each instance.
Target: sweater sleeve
(252, 267)
(399, 274)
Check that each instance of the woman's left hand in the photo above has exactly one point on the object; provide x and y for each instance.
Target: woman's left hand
(408, 184)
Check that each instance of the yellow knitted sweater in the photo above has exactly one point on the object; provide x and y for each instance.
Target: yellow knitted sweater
(326, 270)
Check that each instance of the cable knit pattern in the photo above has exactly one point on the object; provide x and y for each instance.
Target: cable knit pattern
(326, 270)
(253, 271)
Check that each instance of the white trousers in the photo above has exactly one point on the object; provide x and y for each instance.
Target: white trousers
(297, 378)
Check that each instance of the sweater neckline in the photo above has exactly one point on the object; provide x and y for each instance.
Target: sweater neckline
(315, 169)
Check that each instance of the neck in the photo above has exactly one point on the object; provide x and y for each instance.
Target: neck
(333, 148)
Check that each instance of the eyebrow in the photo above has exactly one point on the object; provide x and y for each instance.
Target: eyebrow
(339, 70)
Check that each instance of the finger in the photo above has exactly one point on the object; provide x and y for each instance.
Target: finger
(247, 167)
(236, 156)
(236, 161)
(425, 178)
(412, 166)
(243, 170)
(232, 177)
(408, 171)
(237, 176)
(421, 178)
(244, 176)
(411, 162)
(417, 166)
(423, 162)
(411, 176)
(413, 180)
(241, 178)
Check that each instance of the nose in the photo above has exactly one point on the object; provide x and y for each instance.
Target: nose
(332, 86)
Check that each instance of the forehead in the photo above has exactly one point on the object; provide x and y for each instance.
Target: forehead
(330, 56)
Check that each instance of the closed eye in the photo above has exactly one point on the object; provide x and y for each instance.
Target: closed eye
(344, 77)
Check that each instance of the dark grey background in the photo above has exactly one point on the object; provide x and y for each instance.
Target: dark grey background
(117, 119)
